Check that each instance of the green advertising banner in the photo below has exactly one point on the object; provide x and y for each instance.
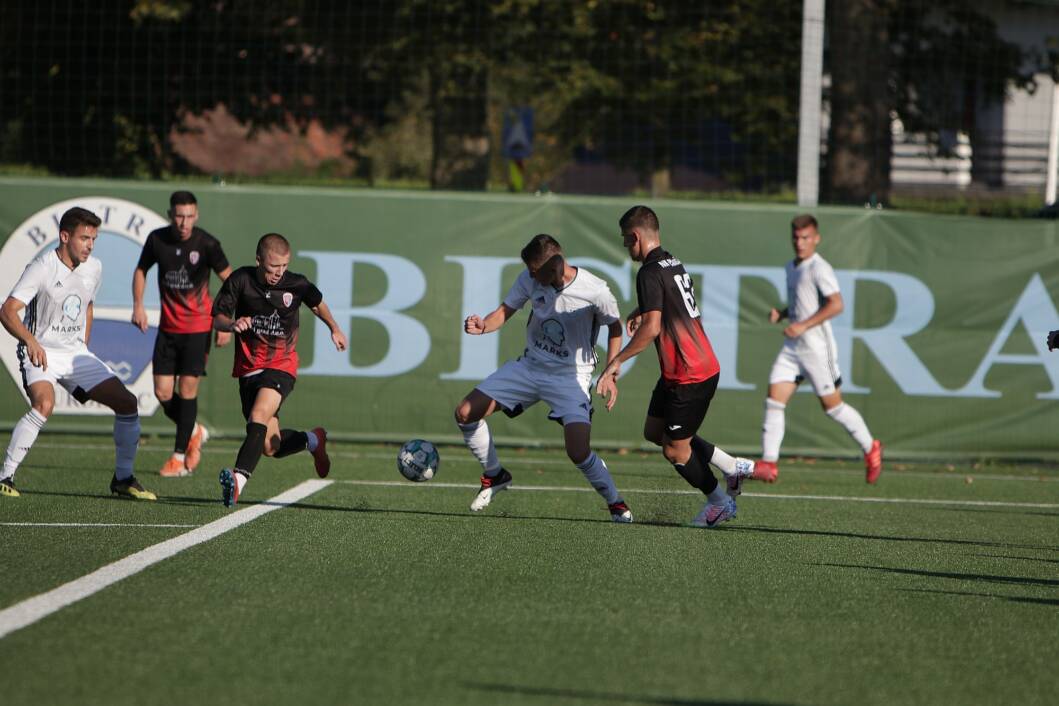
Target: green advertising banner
(941, 344)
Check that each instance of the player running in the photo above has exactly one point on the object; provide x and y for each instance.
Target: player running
(668, 315)
(568, 305)
(185, 255)
(809, 352)
(57, 291)
(260, 304)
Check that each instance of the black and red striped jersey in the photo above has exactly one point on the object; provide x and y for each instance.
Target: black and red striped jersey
(183, 276)
(684, 351)
(272, 338)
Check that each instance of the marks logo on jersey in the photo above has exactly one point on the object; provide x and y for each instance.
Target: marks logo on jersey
(554, 338)
(115, 340)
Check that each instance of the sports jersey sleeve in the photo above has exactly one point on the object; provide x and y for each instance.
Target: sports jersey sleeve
(29, 283)
(147, 258)
(606, 307)
(520, 291)
(311, 296)
(216, 258)
(650, 292)
(225, 302)
(826, 281)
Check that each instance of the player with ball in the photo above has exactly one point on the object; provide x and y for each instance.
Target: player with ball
(569, 305)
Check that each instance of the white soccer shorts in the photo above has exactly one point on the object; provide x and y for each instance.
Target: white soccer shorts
(71, 369)
(519, 384)
(816, 363)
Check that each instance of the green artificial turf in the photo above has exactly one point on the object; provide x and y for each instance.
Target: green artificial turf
(397, 594)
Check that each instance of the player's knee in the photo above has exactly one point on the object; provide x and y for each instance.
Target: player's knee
(578, 453)
(464, 414)
(673, 453)
(124, 403)
(44, 407)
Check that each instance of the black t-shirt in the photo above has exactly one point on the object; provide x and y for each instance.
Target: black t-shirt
(183, 276)
(684, 351)
(273, 335)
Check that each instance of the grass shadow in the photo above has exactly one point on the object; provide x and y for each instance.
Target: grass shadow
(608, 696)
(956, 576)
(1054, 602)
(885, 538)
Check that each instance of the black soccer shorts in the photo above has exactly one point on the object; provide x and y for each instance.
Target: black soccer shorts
(181, 353)
(268, 378)
(683, 407)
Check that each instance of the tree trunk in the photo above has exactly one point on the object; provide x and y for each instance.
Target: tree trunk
(860, 144)
(460, 157)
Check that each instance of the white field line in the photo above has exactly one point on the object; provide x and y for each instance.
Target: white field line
(767, 496)
(614, 460)
(86, 524)
(40, 606)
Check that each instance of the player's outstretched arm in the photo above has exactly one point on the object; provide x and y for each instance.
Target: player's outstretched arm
(139, 313)
(323, 313)
(832, 307)
(648, 330)
(11, 318)
(476, 326)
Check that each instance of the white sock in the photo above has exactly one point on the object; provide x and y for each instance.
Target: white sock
(179, 456)
(311, 441)
(22, 438)
(240, 480)
(598, 476)
(719, 495)
(722, 461)
(772, 430)
(851, 420)
(126, 437)
(478, 439)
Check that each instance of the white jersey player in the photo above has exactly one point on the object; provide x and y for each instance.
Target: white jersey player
(568, 306)
(49, 311)
(809, 353)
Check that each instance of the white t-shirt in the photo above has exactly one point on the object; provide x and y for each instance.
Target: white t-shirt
(564, 323)
(809, 284)
(57, 299)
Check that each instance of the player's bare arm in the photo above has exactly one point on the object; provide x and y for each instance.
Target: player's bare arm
(323, 313)
(832, 307)
(139, 313)
(632, 321)
(11, 318)
(648, 330)
(222, 338)
(613, 348)
(89, 314)
(477, 326)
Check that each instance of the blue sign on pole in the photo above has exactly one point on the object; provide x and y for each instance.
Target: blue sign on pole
(518, 133)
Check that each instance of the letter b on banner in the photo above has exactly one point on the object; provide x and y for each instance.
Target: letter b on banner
(405, 286)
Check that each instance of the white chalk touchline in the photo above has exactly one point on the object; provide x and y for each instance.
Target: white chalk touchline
(86, 524)
(40, 606)
(767, 496)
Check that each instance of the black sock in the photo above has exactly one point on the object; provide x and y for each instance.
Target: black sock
(171, 407)
(696, 471)
(252, 448)
(291, 442)
(188, 411)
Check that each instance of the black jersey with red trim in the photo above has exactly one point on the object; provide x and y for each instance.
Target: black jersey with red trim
(684, 351)
(273, 309)
(183, 276)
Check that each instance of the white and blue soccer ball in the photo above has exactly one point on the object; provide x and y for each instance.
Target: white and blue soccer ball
(418, 460)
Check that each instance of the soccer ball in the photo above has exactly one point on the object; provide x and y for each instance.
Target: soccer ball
(418, 460)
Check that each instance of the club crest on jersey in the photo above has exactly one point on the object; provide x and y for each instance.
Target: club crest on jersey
(193, 257)
(287, 298)
(72, 307)
(122, 233)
